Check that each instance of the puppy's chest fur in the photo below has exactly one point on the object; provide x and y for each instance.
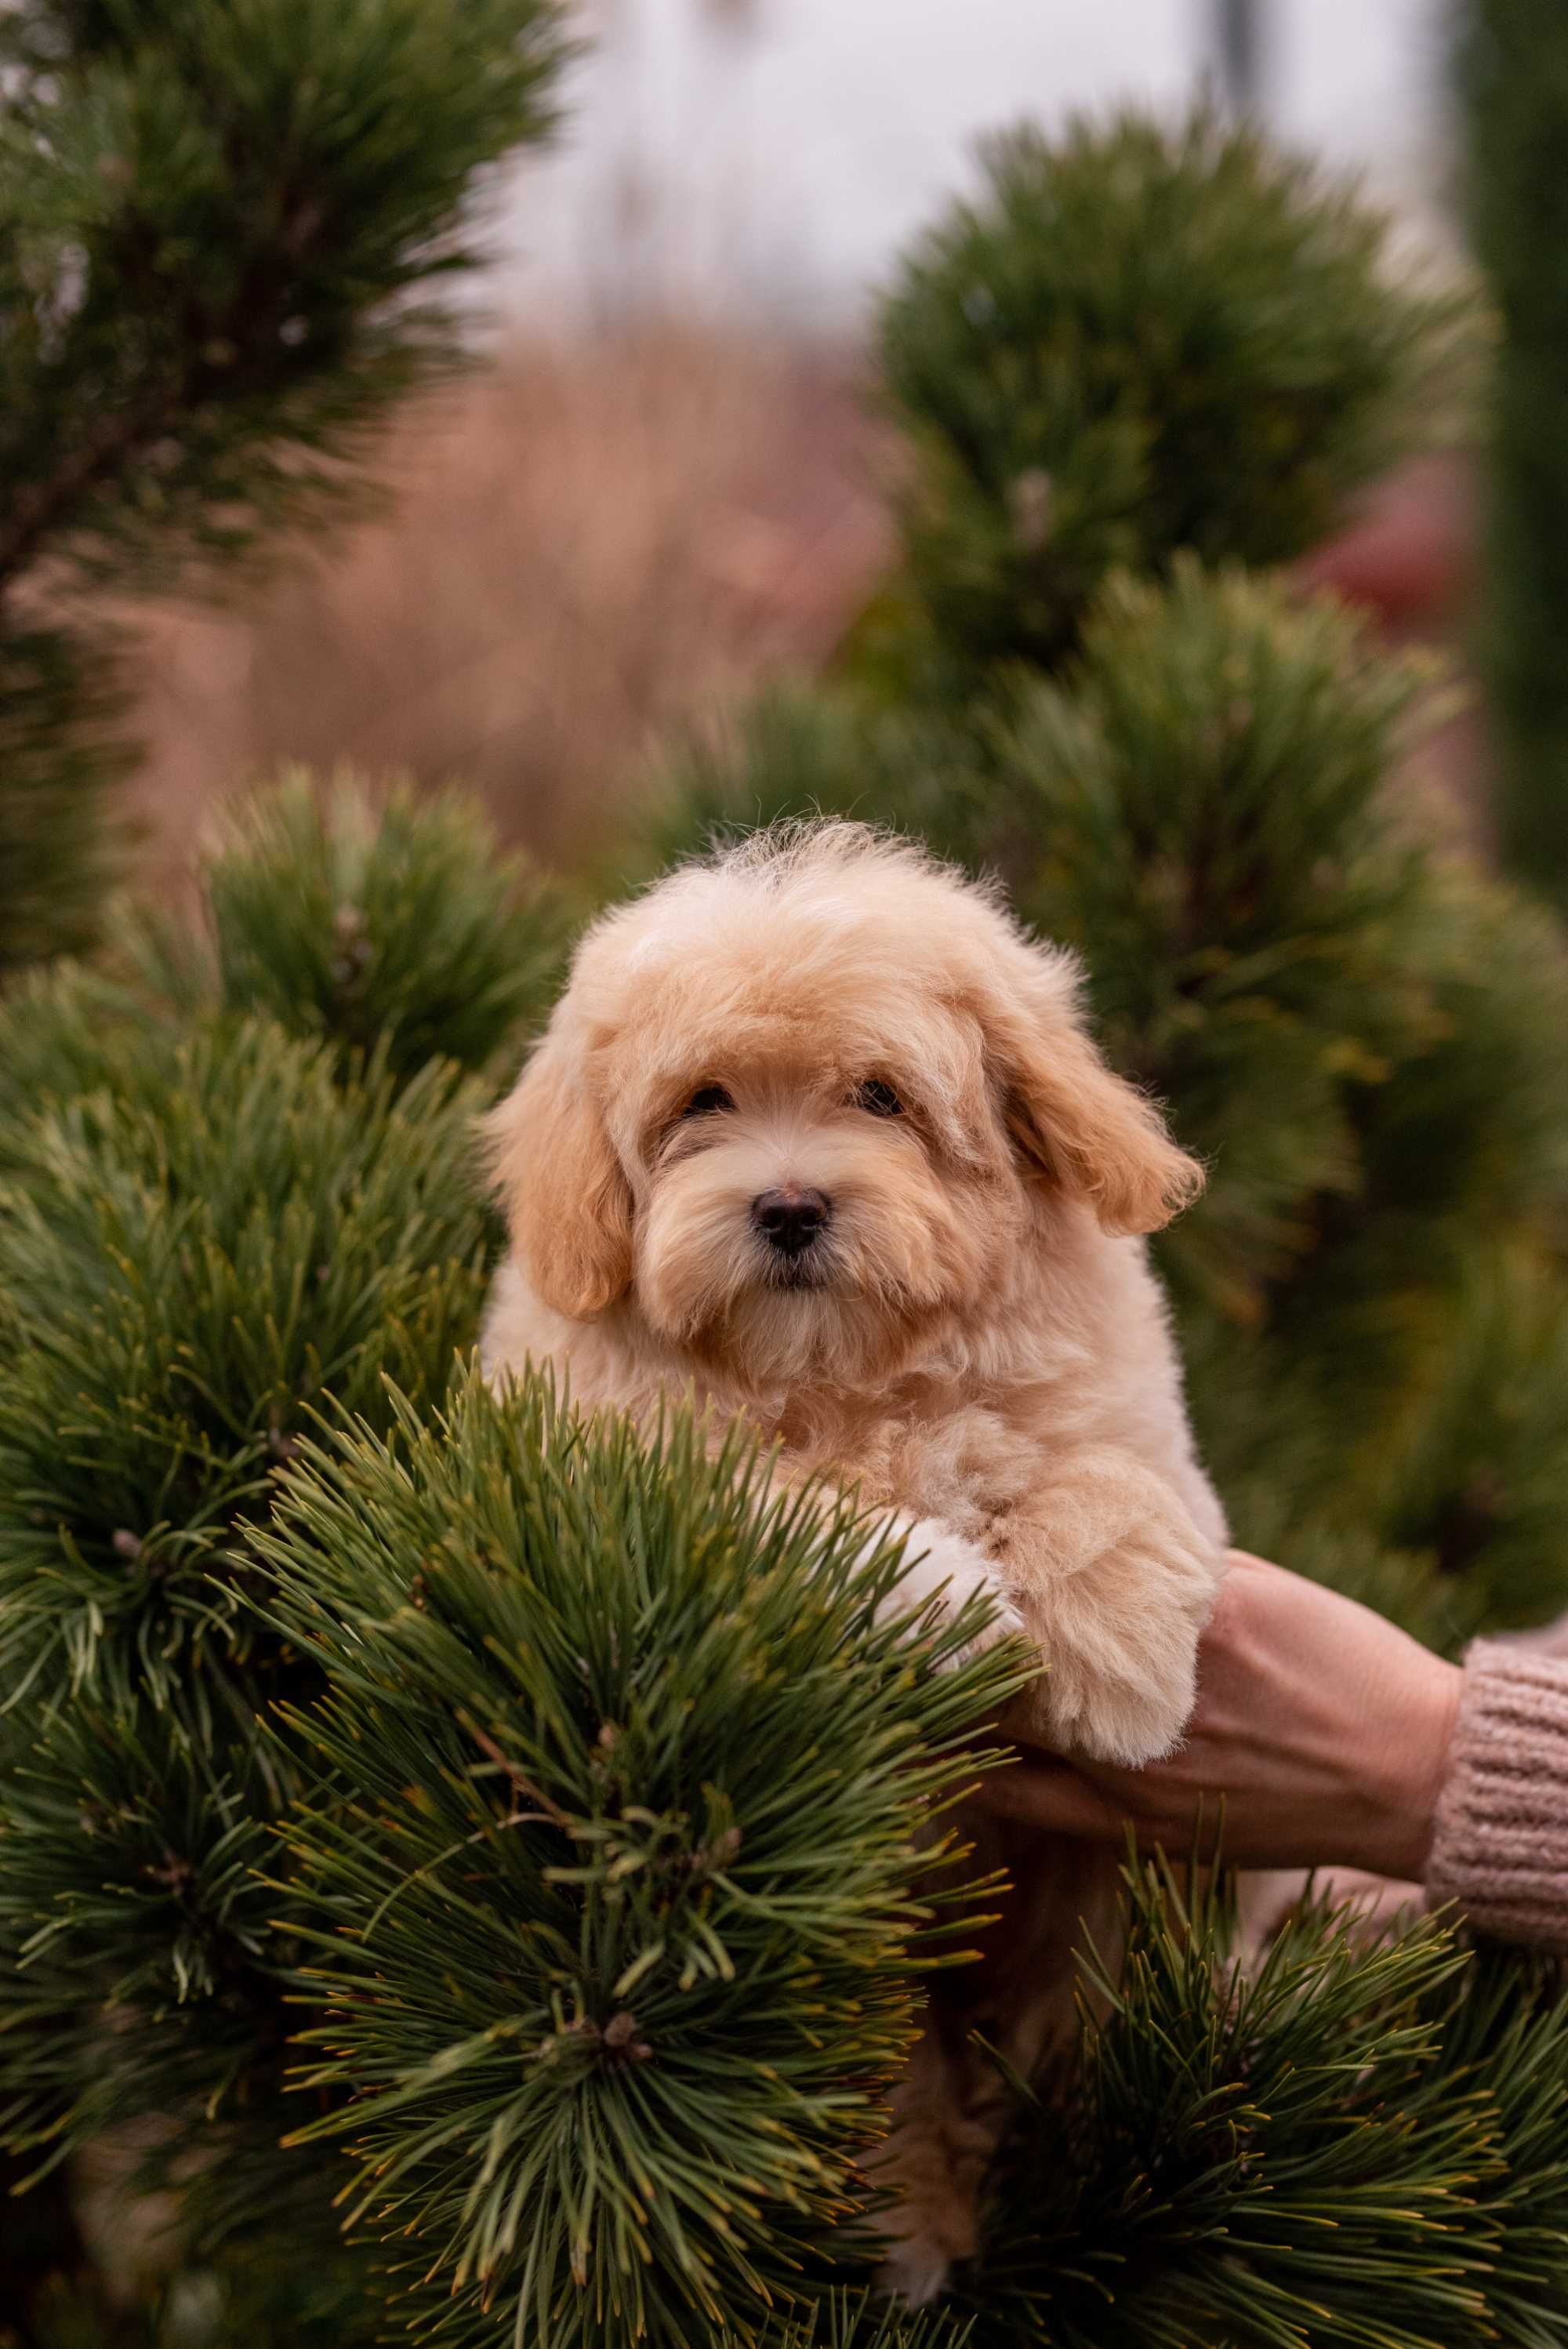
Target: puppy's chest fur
(955, 1438)
(967, 1462)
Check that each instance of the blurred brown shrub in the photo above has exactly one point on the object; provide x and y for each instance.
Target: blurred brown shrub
(582, 547)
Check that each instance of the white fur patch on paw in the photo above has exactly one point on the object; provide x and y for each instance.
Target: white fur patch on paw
(915, 2270)
(1132, 1728)
(1123, 1646)
(947, 1572)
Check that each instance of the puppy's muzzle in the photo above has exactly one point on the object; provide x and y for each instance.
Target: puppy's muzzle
(790, 1218)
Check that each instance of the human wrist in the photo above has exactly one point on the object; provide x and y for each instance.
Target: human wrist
(1416, 1733)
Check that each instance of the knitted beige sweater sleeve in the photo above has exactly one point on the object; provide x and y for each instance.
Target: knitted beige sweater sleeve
(1500, 1844)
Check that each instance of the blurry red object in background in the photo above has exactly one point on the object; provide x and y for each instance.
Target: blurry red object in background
(1409, 554)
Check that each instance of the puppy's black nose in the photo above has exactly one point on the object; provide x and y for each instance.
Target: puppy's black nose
(789, 1219)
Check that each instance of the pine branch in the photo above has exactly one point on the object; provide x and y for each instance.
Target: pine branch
(391, 923)
(218, 221)
(38, 509)
(611, 1846)
(61, 758)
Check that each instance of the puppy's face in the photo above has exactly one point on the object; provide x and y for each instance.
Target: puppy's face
(810, 1179)
(796, 1104)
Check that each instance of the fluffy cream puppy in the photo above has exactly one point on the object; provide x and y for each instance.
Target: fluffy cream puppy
(818, 1132)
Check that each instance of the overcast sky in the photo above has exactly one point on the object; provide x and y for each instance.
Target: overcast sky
(772, 154)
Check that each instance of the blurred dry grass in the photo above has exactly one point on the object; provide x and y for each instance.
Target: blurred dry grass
(584, 546)
(592, 543)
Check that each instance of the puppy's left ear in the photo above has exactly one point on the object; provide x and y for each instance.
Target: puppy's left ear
(565, 1197)
(1083, 1127)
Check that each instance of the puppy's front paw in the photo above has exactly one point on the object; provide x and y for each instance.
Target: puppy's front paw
(947, 1572)
(1114, 1720)
(1119, 1630)
(915, 2270)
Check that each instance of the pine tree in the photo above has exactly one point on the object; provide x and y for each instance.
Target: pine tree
(1133, 343)
(214, 1221)
(225, 236)
(687, 1736)
(429, 1811)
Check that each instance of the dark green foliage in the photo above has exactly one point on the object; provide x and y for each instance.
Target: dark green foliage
(858, 2321)
(183, 1280)
(1419, 1341)
(227, 230)
(1475, 1469)
(195, 1256)
(1354, 2142)
(1368, 1048)
(223, 226)
(281, 2290)
(143, 1974)
(210, 1232)
(271, 2298)
(56, 851)
(1513, 77)
(65, 1031)
(394, 927)
(619, 1918)
(1136, 341)
(1196, 808)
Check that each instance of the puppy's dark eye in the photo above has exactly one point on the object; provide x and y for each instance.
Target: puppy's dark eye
(879, 1098)
(707, 1100)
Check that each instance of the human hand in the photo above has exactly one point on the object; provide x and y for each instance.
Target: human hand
(1320, 1729)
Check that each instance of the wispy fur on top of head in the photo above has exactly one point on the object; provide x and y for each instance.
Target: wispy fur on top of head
(809, 857)
(801, 848)
(835, 889)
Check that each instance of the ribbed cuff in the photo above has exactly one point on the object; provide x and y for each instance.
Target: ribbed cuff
(1499, 1848)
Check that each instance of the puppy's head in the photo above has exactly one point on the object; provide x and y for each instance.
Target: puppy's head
(802, 1101)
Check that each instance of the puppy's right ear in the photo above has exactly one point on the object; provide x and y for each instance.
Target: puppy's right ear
(561, 1186)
